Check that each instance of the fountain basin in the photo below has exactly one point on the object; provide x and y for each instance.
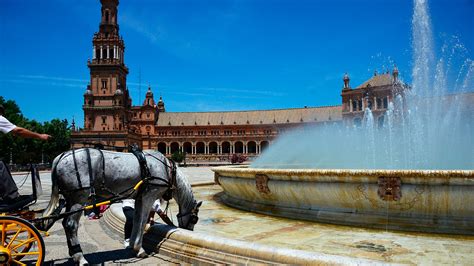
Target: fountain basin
(440, 201)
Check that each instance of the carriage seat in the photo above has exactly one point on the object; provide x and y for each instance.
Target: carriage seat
(16, 204)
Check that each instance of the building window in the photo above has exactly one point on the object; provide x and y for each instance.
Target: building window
(104, 119)
(360, 105)
(104, 84)
(369, 104)
(354, 106)
(379, 103)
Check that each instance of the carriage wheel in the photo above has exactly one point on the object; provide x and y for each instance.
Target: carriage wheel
(21, 243)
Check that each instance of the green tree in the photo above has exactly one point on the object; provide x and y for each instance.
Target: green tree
(178, 156)
(25, 151)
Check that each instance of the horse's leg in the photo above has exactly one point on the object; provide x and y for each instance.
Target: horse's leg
(71, 225)
(143, 204)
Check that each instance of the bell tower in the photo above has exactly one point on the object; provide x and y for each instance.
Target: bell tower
(107, 102)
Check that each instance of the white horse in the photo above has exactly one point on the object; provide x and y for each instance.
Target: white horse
(112, 173)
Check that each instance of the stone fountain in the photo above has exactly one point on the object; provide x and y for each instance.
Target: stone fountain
(414, 173)
(414, 200)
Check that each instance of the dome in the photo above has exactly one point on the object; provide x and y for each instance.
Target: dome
(88, 92)
(149, 93)
(118, 92)
(160, 102)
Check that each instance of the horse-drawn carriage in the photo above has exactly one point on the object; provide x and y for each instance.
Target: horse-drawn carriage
(85, 179)
(21, 240)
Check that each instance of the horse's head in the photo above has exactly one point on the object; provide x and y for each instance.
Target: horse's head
(190, 218)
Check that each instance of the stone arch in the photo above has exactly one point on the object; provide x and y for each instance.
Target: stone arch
(162, 147)
(213, 147)
(200, 148)
(251, 147)
(174, 147)
(239, 147)
(225, 147)
(188, 147)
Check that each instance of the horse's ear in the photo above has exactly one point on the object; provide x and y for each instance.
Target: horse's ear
(199, 204)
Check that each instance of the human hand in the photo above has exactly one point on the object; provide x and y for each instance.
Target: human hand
(44, 136)
(151, 221)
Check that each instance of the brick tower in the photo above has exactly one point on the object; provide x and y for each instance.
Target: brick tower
(106, 101)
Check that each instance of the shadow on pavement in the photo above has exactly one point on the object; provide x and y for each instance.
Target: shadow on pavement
(122, 256)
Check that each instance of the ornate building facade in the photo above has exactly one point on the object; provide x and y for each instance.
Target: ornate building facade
(112, 121)
(374, 94)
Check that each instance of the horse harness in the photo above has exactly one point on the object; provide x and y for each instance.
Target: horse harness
(91, 176)
(145, 174)
(146, 177)
(170, 183)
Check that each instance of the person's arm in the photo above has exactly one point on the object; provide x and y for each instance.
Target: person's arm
(25, 133)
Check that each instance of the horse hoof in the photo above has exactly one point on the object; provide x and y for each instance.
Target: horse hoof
(80, 260)
(142, 254)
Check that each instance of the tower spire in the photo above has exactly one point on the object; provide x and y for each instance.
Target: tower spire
(108, 23)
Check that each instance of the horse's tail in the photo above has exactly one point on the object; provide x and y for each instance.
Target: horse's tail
(54, 201)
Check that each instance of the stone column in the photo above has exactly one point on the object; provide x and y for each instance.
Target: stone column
(375, 103)
(351, 109)
(108, 54)
(258, 148)
(93, 52)
(101, 53)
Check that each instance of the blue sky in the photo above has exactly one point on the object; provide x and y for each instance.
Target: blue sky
(214, 55)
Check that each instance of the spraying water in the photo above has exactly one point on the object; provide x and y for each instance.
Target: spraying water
(428, 126)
